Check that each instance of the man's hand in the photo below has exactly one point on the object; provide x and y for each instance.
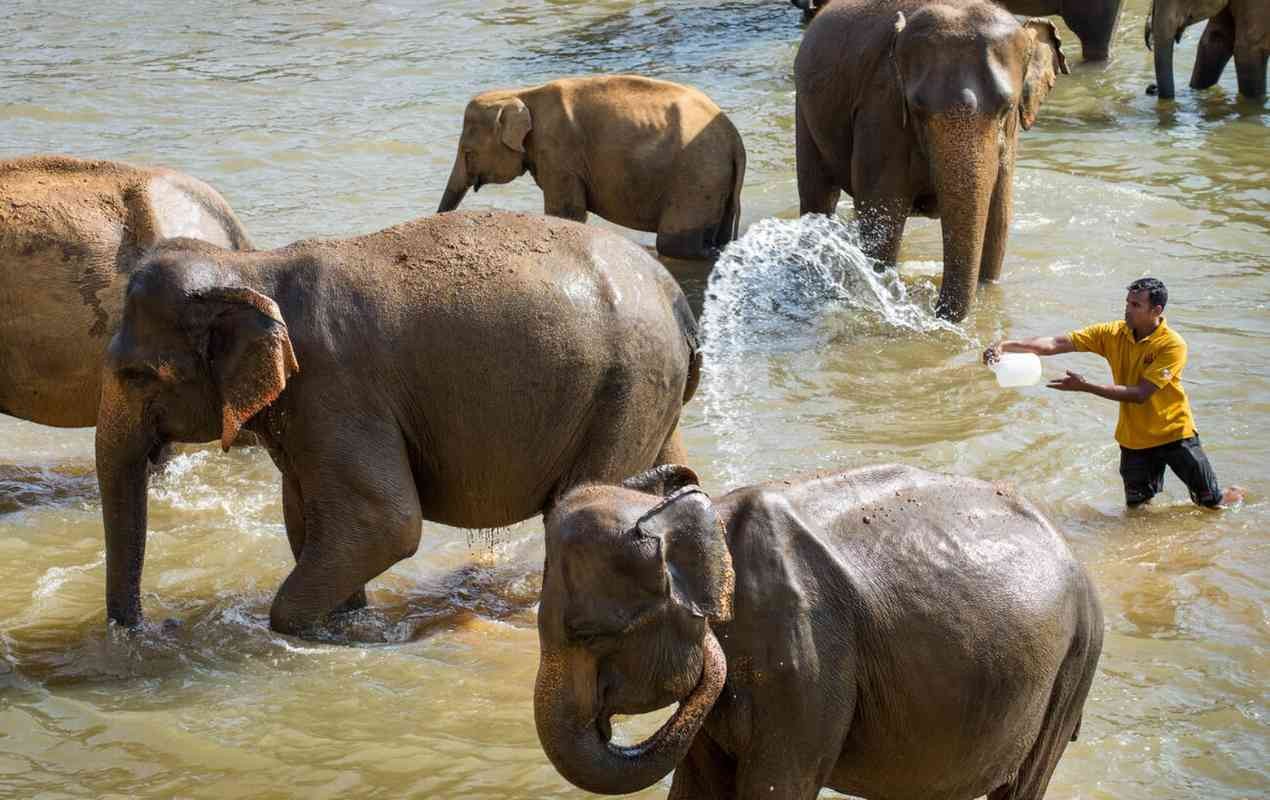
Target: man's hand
(1071, 382)
(993, 354)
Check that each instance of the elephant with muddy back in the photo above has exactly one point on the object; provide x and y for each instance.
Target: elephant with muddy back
(1093, 21)
(1238, 28)
(642, 153)
(466, 368)
(886, 632)
(914, 107)
(71, 232)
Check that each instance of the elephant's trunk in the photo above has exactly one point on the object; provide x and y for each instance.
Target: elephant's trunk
(574, 732)
(456, 187)
(965, 154)
(123, 447)
(1163, 29)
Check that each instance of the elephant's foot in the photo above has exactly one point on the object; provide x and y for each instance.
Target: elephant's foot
(1250, 71)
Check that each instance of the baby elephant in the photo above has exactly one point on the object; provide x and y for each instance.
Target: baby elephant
(647, 154)
(886, 632)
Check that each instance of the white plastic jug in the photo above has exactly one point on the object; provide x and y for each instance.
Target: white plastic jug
(1017, 369)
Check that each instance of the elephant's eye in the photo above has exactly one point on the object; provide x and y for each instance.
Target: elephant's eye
(138, 374)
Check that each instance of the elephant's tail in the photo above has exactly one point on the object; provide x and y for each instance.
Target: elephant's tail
(688, 329)
(730, 223)
(1066, 705)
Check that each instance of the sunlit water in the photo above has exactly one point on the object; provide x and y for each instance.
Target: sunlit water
(333, 119)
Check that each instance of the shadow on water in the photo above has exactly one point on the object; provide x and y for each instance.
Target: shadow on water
(221, 634)
(657, 41)
(23, 488)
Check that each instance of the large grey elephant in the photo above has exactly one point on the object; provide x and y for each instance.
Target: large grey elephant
(914, 107)
(887, 632)
(1239, 28)
(71, 232)
(1093, 21)
(466, 368)
(646, 154)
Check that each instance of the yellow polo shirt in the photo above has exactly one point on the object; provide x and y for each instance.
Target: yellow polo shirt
(1160, 358)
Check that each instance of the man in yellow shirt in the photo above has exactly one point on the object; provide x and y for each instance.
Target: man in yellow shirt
(1155, 427)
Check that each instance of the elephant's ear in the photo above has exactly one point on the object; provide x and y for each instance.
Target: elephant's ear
(662, 480)
(514, 124)
(249, 351)
(694, 552)
(1045, 61)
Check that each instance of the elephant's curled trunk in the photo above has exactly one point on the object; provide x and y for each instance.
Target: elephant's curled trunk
(123, 445)
(569, 727)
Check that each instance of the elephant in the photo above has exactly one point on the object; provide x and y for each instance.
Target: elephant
(887, 632)
(1235, 27)
(913, 107)
(71, 232)
(465, 368)
(642, 153)
(1093, 21)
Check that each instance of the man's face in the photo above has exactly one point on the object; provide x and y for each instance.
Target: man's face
(1139, 314)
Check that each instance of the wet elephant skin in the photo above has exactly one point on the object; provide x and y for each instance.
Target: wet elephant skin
(887, 632)
(465, 368)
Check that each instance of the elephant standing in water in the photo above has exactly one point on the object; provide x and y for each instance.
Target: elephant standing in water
(642, 153)
(1093, 21)
(886, 632)
(1239, 28)
(913, 107)
(71, 232)
(464, 368)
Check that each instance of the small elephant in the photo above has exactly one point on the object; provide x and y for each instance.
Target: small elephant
(1235, 27)
(1093, 21)
(466, 368)
(887, 632)
(913, 107)
(642, 153)
(71, 232)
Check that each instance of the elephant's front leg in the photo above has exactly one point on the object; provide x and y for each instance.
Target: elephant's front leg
(1216, 46)
(293, 518)
(563, 195)
(360, 514)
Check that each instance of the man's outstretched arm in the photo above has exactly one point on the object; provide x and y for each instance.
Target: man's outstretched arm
(1075, 382)
(1041, 345)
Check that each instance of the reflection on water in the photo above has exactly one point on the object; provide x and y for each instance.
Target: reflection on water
(330, 119)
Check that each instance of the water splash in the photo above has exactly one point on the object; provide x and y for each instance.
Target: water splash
(792, 287)
(784, 276)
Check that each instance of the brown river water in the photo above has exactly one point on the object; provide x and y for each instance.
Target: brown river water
(324, 118)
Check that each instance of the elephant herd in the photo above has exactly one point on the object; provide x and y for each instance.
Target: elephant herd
(886, 631)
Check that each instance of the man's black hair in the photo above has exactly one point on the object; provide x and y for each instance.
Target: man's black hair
(1154, 287)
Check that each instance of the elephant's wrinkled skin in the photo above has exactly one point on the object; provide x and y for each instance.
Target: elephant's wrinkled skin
(913, 107)
(887, 632)
(1239, 28)
(646, 154)
(1093, 21)
(465, 368)
(71, 231)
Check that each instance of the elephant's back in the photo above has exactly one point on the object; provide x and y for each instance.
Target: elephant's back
(527, 347)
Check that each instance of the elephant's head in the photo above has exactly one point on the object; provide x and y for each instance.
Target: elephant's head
(196, 356)
(967, 78)
(491, 147)
(634, 576)
(1164, 25)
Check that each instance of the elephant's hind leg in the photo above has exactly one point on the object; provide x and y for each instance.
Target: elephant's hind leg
(360, 515)
(673, 450)
(1250, 66)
